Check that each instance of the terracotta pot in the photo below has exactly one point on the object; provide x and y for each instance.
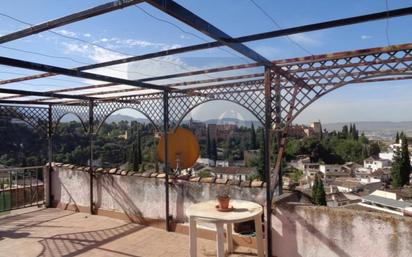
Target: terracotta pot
(223, 202)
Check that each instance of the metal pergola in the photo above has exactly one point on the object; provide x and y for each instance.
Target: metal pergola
(275, 97)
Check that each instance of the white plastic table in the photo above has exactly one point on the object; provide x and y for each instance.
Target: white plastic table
(207, 212)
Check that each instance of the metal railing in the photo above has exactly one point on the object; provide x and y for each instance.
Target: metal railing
(21, 187)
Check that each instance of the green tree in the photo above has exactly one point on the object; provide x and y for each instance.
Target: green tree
(397, 137)
(374, 149)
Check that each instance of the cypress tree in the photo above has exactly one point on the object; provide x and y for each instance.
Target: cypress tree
(253, 144)
(214, 150)
(397, 137)
(139, 149)
(261, 160)
(208, 145)
(405, 163)
(135, 162)
(395, 170)
(315, 188)
(318, 192)
(345, 131)
(355, 132)
(321, 193)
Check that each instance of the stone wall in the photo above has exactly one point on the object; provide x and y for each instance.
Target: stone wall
(320, 231)
(141, 194)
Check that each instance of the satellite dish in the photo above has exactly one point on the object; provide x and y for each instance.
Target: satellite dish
(183, 148)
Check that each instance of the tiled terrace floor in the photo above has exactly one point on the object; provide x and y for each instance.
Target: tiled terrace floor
(54, 232)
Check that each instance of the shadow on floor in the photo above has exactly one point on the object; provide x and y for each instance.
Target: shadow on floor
(72, 244)
(9, 225)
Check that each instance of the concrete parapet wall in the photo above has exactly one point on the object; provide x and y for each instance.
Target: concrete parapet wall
(141, 194)
(320, 231)
(298, 230)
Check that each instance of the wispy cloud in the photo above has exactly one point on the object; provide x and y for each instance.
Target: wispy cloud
(366, 37)
(67, 33)
(307, 40)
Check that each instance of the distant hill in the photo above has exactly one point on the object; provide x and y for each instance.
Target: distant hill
(121, 117)
(378, 129)
(371, 125)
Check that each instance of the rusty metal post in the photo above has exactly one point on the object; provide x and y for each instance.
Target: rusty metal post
(50, 155)
(268, 127)
(278, 119)
(166, 157)
(91, 138)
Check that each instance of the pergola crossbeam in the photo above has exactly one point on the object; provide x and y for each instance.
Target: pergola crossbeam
(92, 12)
(184, 15)
(74, 73)
(271, 34)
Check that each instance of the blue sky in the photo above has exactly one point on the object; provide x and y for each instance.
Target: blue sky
(134, 31)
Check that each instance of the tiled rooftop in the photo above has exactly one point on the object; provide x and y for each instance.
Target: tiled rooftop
(55, 232)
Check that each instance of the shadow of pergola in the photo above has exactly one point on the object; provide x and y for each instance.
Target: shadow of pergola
(9, 225)
(73, 244)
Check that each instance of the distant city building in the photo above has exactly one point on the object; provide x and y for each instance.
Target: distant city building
(345, 185)
(238, 173)
(388, 202)
(332, 171)
(301, 131)
(198, 129)
(366, 176)
(375, 163)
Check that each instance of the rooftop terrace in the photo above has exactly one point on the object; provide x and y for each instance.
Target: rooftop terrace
(55, 232)
(274, 91)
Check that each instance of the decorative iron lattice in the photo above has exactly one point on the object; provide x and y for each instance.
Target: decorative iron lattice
(328, 74)
(150, 105)
(322, 75)
(248, 94)
(80, 110)
(37, 117)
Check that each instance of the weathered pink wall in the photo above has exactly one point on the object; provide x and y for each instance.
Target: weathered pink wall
(308, 231)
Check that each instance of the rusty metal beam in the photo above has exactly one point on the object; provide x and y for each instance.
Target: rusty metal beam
(24, 102)
(43, 94)
(259, 36)
(309, 60)
(74, 73)
(95, 11)
(284, 62)
(187, 83)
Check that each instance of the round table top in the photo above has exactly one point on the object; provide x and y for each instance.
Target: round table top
(243, 210)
